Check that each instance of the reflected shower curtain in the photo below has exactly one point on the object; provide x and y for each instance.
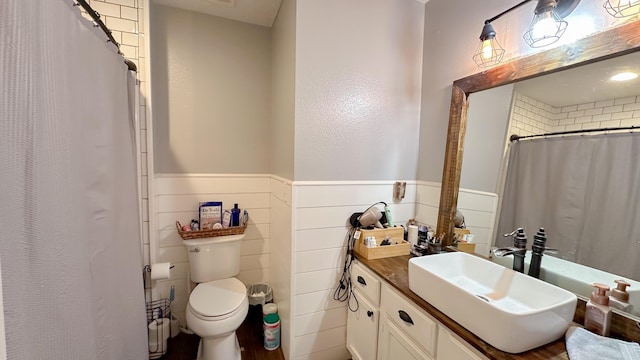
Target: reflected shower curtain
(585, 191)
(69, 235)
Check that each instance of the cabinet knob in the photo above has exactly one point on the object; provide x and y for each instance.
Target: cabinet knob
(405, 317)
(361, 280)
(369, 313)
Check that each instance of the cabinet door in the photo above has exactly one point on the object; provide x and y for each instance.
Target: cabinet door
(421, 328)
(450, 347)
(362, 330)
(394, 345)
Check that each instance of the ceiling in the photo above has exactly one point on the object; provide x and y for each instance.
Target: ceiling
(584, 84)
(258, 12)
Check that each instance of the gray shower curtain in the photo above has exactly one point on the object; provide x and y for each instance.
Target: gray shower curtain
(585, 191)
(69, 227)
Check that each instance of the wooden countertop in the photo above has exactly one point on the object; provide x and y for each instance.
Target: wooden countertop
(394, 270)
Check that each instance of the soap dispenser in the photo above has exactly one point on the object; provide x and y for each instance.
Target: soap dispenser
(598, 313)
(620, 297)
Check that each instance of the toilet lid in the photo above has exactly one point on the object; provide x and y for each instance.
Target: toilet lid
(218, 298)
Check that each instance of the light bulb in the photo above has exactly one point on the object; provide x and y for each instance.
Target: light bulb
(546, 27)
(487, 49)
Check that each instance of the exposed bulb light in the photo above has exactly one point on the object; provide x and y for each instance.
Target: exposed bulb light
(546, 27)
(489, 51)
(624, 76)
(622, 8)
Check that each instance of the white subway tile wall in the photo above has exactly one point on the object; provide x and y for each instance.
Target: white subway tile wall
(177, 198)
(531, 116)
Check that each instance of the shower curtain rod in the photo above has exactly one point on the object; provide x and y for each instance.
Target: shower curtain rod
(515, 137)
(96, 17)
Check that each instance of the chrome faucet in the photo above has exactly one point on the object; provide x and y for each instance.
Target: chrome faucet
(537, 249)
(519, 249)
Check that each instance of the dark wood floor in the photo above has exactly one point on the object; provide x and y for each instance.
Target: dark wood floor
(185, 347)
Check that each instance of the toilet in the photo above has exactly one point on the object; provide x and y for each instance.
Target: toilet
(218, 304)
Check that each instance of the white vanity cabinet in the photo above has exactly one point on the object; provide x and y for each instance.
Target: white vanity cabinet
(393, 344)
(452, 347)
(362, 325)
(389, 326)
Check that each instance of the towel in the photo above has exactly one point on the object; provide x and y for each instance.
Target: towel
(585, 345)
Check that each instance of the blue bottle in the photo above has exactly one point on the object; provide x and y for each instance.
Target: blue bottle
(235, 215)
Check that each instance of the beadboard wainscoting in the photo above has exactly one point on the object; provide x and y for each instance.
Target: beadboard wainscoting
(281, 256)
(321, 211)
(479, 209)
(176, 197)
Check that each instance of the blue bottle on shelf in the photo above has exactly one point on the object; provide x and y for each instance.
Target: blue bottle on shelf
(235, 215)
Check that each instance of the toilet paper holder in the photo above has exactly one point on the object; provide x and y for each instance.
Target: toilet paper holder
(147, 269)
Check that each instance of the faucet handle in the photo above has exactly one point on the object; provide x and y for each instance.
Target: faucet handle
(513, 233)
(519, 238)
(504, 251)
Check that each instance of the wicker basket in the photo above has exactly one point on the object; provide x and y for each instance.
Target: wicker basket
(199, 234)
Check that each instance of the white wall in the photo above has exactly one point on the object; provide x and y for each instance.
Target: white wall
(177, 198)
(320, 212)
(358, 70)
(451, 37)
(211, 89)
(283, 68)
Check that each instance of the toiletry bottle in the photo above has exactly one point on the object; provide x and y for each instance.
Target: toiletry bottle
(235, 215)
(597, 316)
(387, 213)
(620, 297)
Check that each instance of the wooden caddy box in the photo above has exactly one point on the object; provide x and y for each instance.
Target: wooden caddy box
(398, 245)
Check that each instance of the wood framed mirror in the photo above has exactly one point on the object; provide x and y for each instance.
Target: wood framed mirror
(618, 41)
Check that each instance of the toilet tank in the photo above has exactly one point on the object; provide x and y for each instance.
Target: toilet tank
(214, 258)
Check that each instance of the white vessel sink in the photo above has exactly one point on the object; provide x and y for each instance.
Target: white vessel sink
(511, 311)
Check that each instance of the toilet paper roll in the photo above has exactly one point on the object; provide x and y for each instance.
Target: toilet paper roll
(412, 234)
(157, 349)
(161, 271)
(159, 330)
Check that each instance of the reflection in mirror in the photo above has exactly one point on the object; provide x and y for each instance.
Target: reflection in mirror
(581, 187)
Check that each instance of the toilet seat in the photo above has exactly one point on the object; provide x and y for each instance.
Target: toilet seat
(219, 299)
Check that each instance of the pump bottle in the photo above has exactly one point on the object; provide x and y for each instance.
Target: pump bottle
(598, 313)
(620, 297)
(235, 215)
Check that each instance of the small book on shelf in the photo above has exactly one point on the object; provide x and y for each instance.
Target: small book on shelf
(210, 213)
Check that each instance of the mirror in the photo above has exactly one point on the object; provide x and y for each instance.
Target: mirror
(578, 55)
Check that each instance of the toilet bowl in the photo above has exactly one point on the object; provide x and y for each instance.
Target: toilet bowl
(214, 312)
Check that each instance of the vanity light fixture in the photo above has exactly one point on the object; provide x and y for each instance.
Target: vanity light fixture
(546, 28)
(624, 76)
(489, 51)
(622, 8)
